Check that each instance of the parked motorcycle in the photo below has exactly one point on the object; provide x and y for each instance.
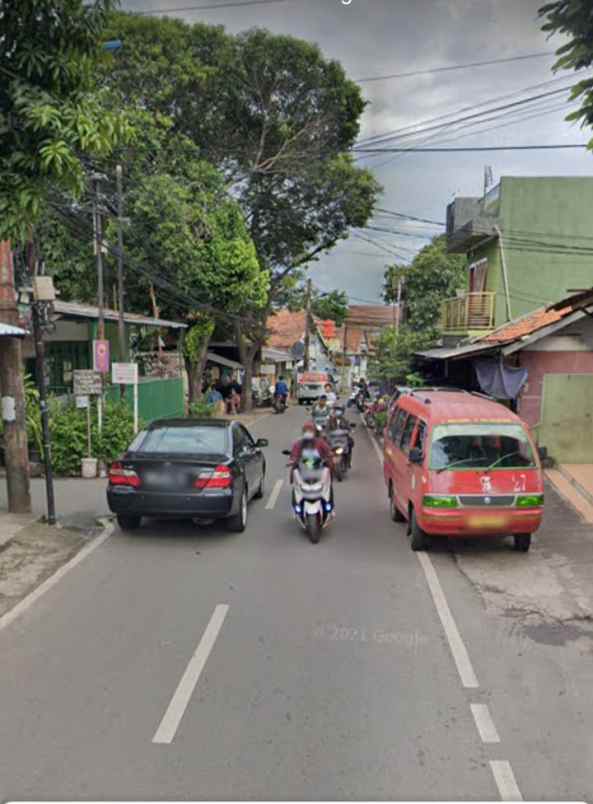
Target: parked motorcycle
(311, 497)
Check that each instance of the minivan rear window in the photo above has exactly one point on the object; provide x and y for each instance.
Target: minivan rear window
(480, 446)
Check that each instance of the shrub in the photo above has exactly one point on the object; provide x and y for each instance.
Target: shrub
(202, 410)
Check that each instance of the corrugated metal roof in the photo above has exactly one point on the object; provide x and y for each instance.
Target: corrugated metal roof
(10, 331)
(223, 361)
(77, 310)
(446, 352)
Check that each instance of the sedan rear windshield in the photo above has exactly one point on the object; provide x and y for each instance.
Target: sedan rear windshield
(185, 440)
(480, 446)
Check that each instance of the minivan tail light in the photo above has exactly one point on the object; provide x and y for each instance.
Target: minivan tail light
(220, 478)
(119, 476)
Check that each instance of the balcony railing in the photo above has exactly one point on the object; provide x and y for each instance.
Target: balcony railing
(473, 311)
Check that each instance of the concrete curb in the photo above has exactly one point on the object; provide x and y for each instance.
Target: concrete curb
(575, 483)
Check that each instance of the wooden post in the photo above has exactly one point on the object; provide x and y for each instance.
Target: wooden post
(307, 326)
(13, 394)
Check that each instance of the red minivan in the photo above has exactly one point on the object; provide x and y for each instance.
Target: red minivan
(460, 464)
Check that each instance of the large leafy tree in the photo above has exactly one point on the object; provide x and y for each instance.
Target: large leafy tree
(51, 116)
(195, 233)
(393, 359)
(274, 116)
(573, 19)
(433, 276)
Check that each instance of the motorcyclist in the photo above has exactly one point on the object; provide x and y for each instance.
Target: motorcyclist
(330, 394)
(281, 390)
(310, 439)
(338, 421)
(321, 411)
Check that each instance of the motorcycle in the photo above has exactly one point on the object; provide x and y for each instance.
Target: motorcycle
(339, 441)
(279, 404)
(311, 499)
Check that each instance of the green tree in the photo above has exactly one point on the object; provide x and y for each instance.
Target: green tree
(51, 116)
(274, 116)
(432, 277)
(195, 233)
(573, 19)
(332, 306)
(394, 354)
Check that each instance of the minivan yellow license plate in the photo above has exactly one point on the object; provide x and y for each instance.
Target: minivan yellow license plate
(487, 521)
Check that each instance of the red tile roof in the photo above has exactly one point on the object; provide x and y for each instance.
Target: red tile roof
(527, 325)
(370, 314)
(285, 329)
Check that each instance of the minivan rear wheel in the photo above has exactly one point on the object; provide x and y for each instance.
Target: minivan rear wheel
(522, 542)
(396, 514)
(419, 540)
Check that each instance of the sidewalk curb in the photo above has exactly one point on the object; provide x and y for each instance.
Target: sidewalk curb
(575, 483)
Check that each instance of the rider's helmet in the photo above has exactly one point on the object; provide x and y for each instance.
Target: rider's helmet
(323, 398)
(309, 433)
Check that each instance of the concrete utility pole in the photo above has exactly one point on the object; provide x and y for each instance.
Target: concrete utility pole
(121, 324)
(98, 227)
(16, 453)
(399, 303)
(307, 325)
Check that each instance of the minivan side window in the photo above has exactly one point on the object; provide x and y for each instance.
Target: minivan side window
(407, 434)
(397, 425)
(421, 436)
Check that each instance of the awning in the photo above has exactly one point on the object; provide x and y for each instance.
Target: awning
(9, 331)
(222, 361)
(452, 352)
(76, 310)
(271, 355)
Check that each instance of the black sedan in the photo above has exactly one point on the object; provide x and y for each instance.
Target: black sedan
(201, 469)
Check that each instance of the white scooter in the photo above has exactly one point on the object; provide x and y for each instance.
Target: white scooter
(312, 498)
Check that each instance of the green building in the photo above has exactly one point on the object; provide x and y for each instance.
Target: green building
(529, 243)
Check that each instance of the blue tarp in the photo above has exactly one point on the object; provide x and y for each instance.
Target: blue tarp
(498, 380)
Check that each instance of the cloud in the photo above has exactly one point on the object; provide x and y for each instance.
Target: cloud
(380, 37)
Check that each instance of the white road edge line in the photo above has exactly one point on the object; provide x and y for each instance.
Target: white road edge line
(456, 644)
(505, 780)
(484, 723)
(54, 579)
(181, 697)
(275, 493)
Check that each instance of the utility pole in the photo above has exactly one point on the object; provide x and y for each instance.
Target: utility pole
(121, 325)
(98, 230)
(393, 296)
(399, 303)
(43, 297)
(13, 393)
(307, 325)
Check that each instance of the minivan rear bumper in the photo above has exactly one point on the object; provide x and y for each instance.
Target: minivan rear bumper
(476, 522)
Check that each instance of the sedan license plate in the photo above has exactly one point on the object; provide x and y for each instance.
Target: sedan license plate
(162, 479)
(489, 522)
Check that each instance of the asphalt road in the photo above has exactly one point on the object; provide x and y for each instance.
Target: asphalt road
(188, 663)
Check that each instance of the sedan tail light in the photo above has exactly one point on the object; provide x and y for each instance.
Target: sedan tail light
(220, 478)
(118, 476)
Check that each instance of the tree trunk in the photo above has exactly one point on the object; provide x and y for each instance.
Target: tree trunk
(247, 352)
(195, 373)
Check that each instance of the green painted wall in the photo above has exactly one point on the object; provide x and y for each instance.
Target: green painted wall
(156, 398)
(567, 427)
(540, 218)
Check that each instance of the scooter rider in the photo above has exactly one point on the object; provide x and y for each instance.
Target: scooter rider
(281, 389)
(338, 421)
(321, 411)
(311, 440)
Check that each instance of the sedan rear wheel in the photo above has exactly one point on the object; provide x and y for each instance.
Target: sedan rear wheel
(128, 521)
(238, 522)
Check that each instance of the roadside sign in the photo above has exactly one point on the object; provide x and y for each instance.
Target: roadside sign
(101, 356)
(86, 382)
(124, 373)
(127, 374)
(82, 401)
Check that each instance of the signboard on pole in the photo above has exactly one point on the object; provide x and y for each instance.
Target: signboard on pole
(124, 373)
(101, 356)
(127, 374)
(86, 382)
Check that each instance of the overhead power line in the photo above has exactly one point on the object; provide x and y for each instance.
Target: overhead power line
(208, 7)
(449, 68)
(431, 150)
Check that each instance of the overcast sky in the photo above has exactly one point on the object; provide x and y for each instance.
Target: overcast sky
(381, 37)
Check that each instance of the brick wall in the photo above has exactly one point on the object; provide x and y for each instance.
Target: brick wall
(541, 363)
